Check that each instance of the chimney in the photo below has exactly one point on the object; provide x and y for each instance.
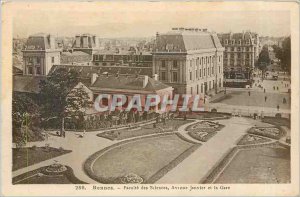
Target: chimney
(145, 82)
(155, 77)
(94, 78)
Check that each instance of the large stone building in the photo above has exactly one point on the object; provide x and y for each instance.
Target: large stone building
(40, 54)
(241, 53)
(189, 60)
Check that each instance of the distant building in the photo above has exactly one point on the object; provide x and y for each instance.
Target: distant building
(240, 55)
(86, 43)
(75, 57)
(120, 57)
(40, 54)
(190, 60)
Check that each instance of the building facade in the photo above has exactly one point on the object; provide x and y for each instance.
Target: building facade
(240, 55)
(131, 57)
(189, 60)
(40, 54)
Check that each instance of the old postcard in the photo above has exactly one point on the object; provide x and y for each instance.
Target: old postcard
(140, 98)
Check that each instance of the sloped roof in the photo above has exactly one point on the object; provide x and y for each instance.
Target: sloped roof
(127, 82)
(87, 71)
(26, 83)
(181, 41)
(75, 53)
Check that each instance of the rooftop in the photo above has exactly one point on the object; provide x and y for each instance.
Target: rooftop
(183, 40)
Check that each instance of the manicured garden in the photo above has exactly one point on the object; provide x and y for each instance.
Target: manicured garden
(270, 132)
(142, 160)
(249, 139)
(258, 165)
(203, 130)
(23, 157)
(155, 128)
(53, 174)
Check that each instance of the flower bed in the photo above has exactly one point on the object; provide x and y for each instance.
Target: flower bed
(169, 126)
(203, 130)
(270, 132)
(249, 139)
(202, 135)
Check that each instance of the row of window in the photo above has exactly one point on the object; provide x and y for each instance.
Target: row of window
(34, 70)
(36, 60)
(233, 42)
(204, 87)
(198, 61)
(125, 58)
(199, 74)
(239, 48)
(239, 64)
(239, 55)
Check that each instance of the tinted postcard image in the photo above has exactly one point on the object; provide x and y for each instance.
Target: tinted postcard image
(167, 96)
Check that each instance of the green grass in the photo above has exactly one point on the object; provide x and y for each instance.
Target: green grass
(23, 157)
(171, 125)
(259, 165)
(147, 157)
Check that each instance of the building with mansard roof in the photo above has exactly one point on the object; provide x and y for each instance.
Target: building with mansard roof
(241, 53)
(190, 60)
(40, 53)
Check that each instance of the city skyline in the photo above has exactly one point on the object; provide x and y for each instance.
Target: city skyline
(112, 23)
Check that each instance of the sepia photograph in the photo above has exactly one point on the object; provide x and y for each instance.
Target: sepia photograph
(172, 97)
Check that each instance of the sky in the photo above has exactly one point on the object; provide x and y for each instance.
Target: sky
(145, 19)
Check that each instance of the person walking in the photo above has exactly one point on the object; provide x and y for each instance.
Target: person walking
(284, 101)
(277, 107)
(265, 98)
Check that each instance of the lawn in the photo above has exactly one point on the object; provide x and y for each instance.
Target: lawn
(37, 177)
(259, 165)
(171, 125)
(149, 158)
(23, 157)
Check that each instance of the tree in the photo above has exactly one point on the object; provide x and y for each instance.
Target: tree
(25, 118)
(284, 54)
(263, 59)
(61, 96)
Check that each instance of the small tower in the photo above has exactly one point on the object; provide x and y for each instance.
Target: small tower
(40, 54)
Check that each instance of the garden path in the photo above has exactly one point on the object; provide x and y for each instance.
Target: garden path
(202, 161)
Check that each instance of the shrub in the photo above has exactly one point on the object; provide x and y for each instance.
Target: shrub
(214, 110)
(34, 147)
(278, 115)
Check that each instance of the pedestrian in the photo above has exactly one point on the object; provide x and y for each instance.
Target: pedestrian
(277, 88)
(284, 101)
(264, 90)
(265, 98)
(273, 87)
(277, 107)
